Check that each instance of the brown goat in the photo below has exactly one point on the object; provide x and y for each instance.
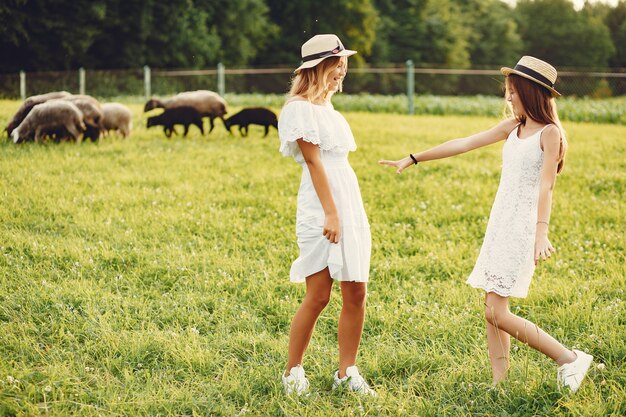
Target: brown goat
(207, 103)
(52, 117)
(27, 106)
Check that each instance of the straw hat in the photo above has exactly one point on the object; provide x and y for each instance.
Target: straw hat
(320, 47)
(535, 70)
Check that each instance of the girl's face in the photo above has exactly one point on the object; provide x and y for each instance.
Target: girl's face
(336, 76)
(514, 101)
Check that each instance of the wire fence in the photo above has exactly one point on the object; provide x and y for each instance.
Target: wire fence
(381, 80)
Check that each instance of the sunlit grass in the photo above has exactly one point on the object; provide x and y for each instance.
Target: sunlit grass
(150, 276)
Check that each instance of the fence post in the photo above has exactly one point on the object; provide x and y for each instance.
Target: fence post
(410, 85)
(221, 82)
(22, 85)
(147, 82)
(81, 80)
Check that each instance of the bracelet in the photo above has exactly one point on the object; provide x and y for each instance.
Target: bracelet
(546, 223)
(413, 158)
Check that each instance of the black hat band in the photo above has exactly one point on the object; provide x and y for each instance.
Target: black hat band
(533, 74)
(324, 54)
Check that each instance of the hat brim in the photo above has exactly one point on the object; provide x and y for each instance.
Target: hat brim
(506, 71)
(314, 62)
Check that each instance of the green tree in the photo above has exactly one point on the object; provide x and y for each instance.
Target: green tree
(40, 34)
(619, 59)
(446, 35)
(243, 27)
(179, 35)
(400, 32)
(615, 20)
(553, 30)
(160, 34)
(425, 31)
(494, 37)
(354, 21)
(13, 28)
(66, 34)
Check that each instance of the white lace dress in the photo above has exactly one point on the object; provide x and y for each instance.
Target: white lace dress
(348, 260)
(506, 264)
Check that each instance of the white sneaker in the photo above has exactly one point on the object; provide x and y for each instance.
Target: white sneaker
(572, 374)
(354, 381)
(296, 382)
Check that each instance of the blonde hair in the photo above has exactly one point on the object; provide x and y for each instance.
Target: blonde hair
(312, 83)
(540, 106)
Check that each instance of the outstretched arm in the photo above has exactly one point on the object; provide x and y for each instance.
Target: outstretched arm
(550, 141)
(456, 146)
(311, 154)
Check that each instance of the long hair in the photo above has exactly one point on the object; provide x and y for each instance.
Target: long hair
(312, 83)
(540, 106)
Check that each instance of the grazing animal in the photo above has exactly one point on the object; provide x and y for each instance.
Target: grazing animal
(92, 114)
(54, 117)
(27, 106)
(117, 117)
(208, 103)
(252, 116)
(61, 134)
(185, 116)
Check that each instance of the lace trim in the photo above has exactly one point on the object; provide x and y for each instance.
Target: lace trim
(321, 126)
(505, 264)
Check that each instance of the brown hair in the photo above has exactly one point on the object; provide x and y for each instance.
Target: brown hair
(540, 106)
(312, 84)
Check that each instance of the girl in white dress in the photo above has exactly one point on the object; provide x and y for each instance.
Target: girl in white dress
(517, 231)
(331, 224)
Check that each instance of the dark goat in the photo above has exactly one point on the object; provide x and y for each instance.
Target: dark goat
(92, 115)
(61, 134)
(252, 116)
(185, 116)
(208, 103)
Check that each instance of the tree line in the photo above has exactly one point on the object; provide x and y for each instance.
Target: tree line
(38, 35)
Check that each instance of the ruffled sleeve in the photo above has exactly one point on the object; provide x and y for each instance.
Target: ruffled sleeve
(297, 121)
(320, 125)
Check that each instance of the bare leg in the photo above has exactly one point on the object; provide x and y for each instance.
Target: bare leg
(499, 346)
(318, 288)
(351, 323)
(497, 314)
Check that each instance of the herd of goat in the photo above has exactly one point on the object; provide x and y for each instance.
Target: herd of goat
(61, 116)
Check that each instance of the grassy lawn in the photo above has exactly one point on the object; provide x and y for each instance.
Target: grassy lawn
(150, 277)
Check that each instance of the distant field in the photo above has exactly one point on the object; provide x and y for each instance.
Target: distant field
(150, 276)
(608, 111)
(612, 110)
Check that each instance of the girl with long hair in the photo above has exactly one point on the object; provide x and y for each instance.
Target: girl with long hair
(517, 231)
(331, 225)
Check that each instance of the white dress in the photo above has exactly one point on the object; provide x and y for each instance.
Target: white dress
(506, 264)
(348, 260)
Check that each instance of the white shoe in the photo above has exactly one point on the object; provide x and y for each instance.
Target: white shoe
(572, 374)
(296, 382)
(354, 381)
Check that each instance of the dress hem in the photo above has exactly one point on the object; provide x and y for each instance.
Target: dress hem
(496, 291)
(299, 279)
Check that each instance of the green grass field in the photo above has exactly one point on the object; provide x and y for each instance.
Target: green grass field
(150, 277)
